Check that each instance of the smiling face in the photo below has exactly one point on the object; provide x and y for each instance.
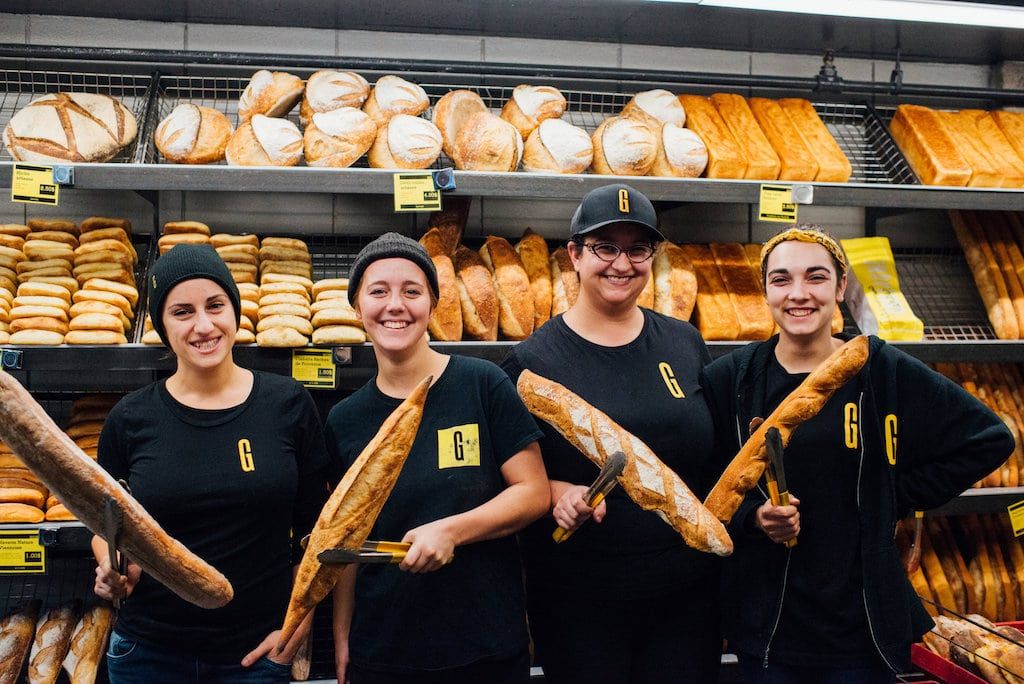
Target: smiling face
(200, 323)
(802, 288)
(394, 304)
(619, 282)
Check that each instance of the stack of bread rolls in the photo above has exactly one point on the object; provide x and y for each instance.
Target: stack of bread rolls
(284, 256)
(39, 312)
(334, 319)
(22, 495)
(183, 232)
(249, 296)
(88, 414)
(102, 312)
(284, 315)
(105, 250)
(993, 244)
(241, 253)
(12, 239)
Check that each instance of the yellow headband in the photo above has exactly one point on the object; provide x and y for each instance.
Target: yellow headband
(805, 234)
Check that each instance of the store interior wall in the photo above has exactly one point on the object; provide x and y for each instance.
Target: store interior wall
(284, 213)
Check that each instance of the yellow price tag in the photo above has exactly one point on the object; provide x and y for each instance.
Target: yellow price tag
(314, 368)
(416, 192)
(1016, 512)
(21, 552)
(34, 184)
(777, 204)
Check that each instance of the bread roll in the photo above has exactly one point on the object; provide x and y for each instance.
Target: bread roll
(111, 233)
(275, 252)
(289, 309)
(327, 284)
(405, 142)
(271, 94)
(529, 105)
(269, 278)
(565, 282)
(167, 242)
(533, 250)
(336, 315)
(752, 313)
(282, 336)
(186, 227)
(515, 298)
(480, 307)
(451, 113)
(352, 509)
(97, 222)
(802, 404)
(97, 321)
(446, 320)
(16, 631)
(928, 147)
(339, 334)
(88, 643)
(762, 161)
(649, 482)
(833, 166)
(39, 324)
(681, 153)
(20, 513)
(298, 323)
(655, 108)
(328, 90)
(675, 283)
(18, 229)
(338, 138)
(726, 158)
(265, 141)
(55, 236)
(559, 147)
(623, 147)
(487, 143)
(51, 643)
(228, 240)
(798, 164)
(299, 268)
(70, 127)
(248, 337)
(286, 287)
(191, 134)
(391, 96)
(38, 300)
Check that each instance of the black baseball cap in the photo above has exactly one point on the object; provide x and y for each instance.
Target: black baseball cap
(616, 203)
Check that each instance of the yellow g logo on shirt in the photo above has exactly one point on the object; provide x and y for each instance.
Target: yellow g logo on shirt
(670, 380)
(245, 456)
(459, 446)
(850, 427)
(890, 438)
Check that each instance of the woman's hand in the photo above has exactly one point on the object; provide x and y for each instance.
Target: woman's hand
(433, 547)
(284, 656)
(571, 510)
(780, 523)
(111, 584)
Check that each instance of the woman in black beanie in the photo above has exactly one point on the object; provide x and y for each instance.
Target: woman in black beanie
(453, 611)
(229, 461)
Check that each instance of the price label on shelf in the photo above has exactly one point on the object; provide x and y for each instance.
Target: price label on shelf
(314, 368)
(34, 184)
(21, 553)
(1016, 512)
(416, 192)
(777, 204)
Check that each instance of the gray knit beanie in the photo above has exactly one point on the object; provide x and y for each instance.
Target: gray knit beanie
(391, 246)
(188, 262)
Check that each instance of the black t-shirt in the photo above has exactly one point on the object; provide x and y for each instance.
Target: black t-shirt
(231, 485)
(649, 387)
(823, 621)
(473, 609)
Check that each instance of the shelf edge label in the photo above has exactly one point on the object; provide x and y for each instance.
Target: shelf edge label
(777, 204)
(314, 368)
(416, 191)
(21, 553)
(1016, 512)
(34, 185)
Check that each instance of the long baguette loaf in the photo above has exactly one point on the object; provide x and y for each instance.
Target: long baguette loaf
(446, 320)
(512, 285)
(802, 404)
(649, 482)
(16, 630)
(351, 511)
(88, 643)
(479, 299)
(84, 487)
(565, 282)
(533, 250)
(987, 276)
(51, 643)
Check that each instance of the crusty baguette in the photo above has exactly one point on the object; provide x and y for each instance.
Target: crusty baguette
(716, 317)
(981, 568)
(937, 580)
(446, 320)
(84, 487)
(802, 404)
(921, 588)
(997, 235)
(725, 156)
(762, 161)
(512, 285)
(833, 165)
(301, 662)
(480, 306)
(675, 282)
(752, 312)
(649, 482)
(565, 282)
(945, 555)
(987, 275)
(970, 599)
(533, 250)
(964, 134)
(798, 163)
(88, 643)
(52, 641)
(1008, 592)
(928, 147)
(16, 630)
(352, 509)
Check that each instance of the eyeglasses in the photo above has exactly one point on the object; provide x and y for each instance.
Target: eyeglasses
(609, 251)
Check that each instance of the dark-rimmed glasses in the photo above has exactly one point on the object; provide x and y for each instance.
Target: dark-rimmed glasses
(609, 251)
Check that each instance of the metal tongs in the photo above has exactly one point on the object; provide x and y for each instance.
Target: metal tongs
(375, 552)
(605, 482)
(775, 474)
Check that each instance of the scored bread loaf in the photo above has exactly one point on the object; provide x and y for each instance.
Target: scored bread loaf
(752, 313)
(451, 113)
(52, 641)
(565, 282)
(405, 142)
(558, 146)
(391, 96)
(762, 161)
(451, 221)
(649, 482)
(928, 147)
(75, 127)
(88, 643)
(352, 509)
(623, 147)
(487, 143)
(446, 320)
(798, 163)
(716, 317)
(191, 134)
(338, 138)
(655, 108)
(800, 405)
(726, 158)
(680, 153)
(269, 93)
(265, 141)
(480, 306)
(833, 165)
(512, 284)
(328, 90)
(533, 250)
(530, 105)
(675, 283)
(16, 630)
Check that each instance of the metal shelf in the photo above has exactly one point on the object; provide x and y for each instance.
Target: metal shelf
(981, 500)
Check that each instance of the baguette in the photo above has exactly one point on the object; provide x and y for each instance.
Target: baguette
(533, 250)
(480, 306)
(987, 276)
(301, 662)
(762, 162)
(970, 599)
(565, 282)
(725, 156)
(997, 235)
(85, 487)
(752, 312)
(930, 151)
(716, 317)
(649, 482)
(88, 643)
(446, 320)
(351, 511)
(945, 555)
(981, 569)
(16, 630)
(451, 221)
(675, 283)
(798, 163)
(937, 580)
(51, 643)
(833, 165)
(802, 404)
(1007, 587)
(512, 284)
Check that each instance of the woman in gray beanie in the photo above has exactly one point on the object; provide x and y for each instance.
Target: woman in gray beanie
(229, 461)
(473, 477)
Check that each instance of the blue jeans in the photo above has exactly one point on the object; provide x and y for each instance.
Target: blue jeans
(776, 673)
(135, 662)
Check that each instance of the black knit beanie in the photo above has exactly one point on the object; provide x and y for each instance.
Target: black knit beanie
(188, 262)
(391, 246)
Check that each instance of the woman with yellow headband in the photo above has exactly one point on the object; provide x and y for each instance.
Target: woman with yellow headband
(837, 606)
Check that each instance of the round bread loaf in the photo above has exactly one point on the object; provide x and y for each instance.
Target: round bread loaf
(265, 141)
(391, 96)
(623, 147)
(338, 138)
(269, 94)
(559, 147)
(191, 134)
(328, 90)
(530, 104)
(405, 142)
(70, 127)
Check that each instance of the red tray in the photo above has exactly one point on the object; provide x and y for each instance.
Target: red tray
(946, 670)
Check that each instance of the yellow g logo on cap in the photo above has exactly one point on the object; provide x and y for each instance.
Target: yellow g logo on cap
(624, 200)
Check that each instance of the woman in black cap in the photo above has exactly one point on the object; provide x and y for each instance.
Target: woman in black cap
(229, 461)
(624, 600)
(453, 611)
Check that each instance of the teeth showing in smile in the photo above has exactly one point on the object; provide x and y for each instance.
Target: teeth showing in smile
(395, 325)
(205, 345)
(618, 280)
(800, 313)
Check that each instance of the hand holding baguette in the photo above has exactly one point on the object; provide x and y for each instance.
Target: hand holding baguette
(649, 482)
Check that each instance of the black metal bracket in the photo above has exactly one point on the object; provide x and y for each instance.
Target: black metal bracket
(828, 78)
(896, 77)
